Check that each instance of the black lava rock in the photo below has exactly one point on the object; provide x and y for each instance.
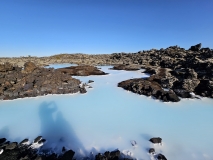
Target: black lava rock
(156, 140)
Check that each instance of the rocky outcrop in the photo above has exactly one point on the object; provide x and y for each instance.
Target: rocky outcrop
(35, 81)
(84, 70)
(149, 88)
(174, 69)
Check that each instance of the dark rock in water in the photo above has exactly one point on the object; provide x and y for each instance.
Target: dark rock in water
(161, 157)
(90, 81)
(37, 139)
(156, 140)
(151, 150)
(133, 143)
(11, 146)
(41, 141)
(85, 70)
(149, 88)
(68, 155)
(182, 93)
(196, 47)
(171, 96)
(24, 141)
(2, 140)
(83, 90)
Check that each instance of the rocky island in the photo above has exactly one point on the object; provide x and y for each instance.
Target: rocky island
(33, 81)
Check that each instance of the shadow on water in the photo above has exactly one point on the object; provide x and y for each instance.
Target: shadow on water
(57, 131)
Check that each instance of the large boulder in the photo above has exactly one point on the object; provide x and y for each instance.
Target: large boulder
(29, 67)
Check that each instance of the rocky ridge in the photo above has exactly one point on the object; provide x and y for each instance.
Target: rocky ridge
(177, 71)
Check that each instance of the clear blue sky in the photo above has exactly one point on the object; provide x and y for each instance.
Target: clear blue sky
(47, 27)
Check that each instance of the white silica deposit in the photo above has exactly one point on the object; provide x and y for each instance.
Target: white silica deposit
(108, 117)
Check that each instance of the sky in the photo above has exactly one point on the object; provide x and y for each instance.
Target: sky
(49, 27)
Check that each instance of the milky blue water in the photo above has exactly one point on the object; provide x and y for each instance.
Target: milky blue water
(108, 118)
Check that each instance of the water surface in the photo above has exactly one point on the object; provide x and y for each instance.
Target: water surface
(108, 118)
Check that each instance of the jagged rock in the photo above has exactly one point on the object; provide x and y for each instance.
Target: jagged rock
(37, 139)
(24, 142)
(83, 90)
(2, 140)
(196, 47)
(156, 140)
(68, 155)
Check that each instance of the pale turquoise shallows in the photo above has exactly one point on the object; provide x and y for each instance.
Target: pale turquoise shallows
(108, 117)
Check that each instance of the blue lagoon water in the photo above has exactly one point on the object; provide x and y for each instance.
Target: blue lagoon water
(109, 118)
